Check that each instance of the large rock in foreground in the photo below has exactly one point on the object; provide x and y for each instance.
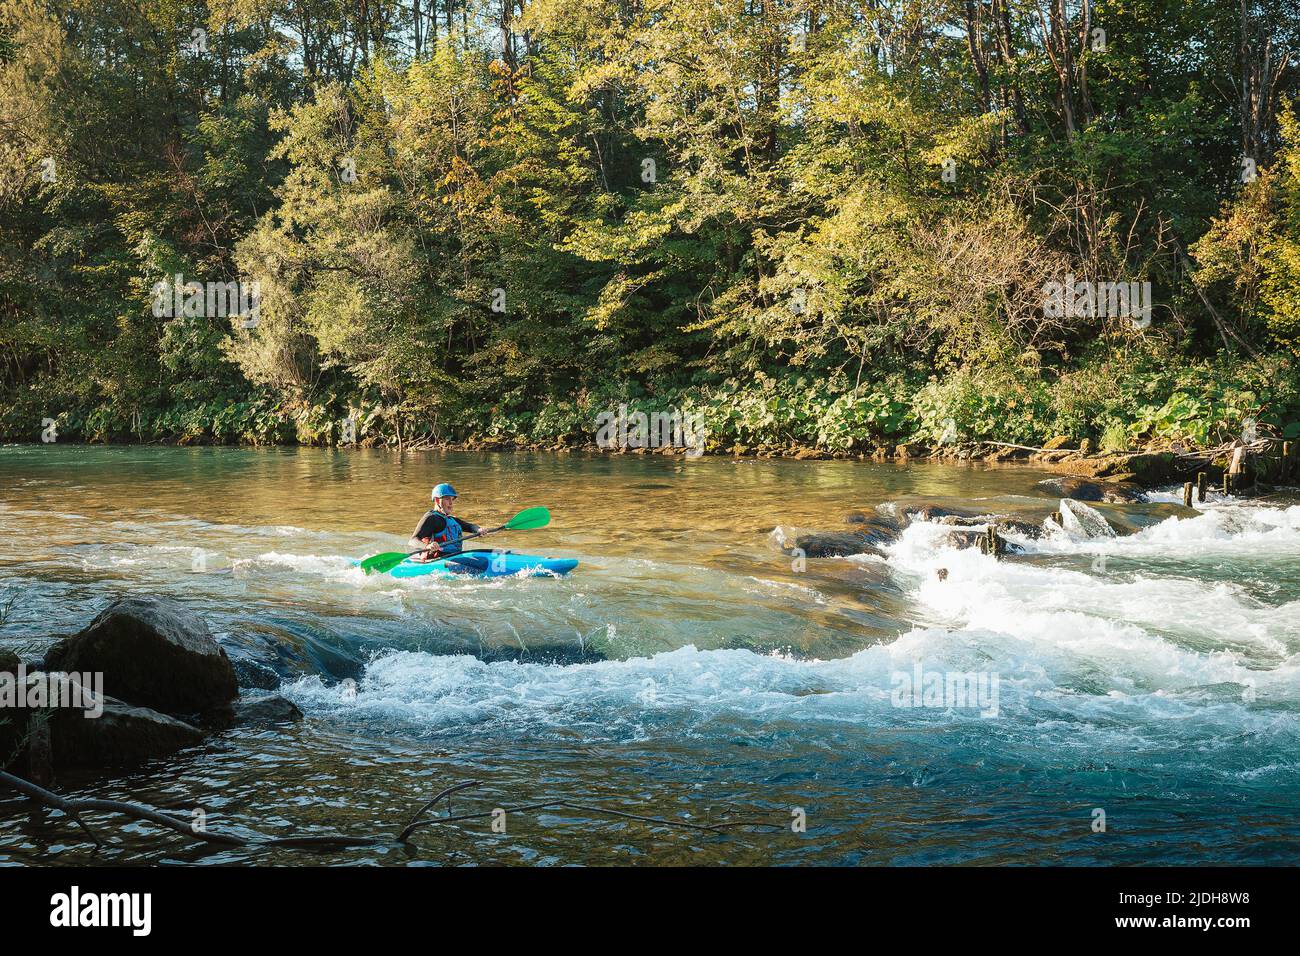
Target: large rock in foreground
(85, 731)
(122, 736)
(151, 653)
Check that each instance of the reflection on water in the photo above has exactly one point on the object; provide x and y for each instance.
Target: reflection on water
(687, 669)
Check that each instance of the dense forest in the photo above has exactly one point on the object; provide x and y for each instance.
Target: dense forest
(806, 221)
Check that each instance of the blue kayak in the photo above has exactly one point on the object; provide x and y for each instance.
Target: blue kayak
(485, 564)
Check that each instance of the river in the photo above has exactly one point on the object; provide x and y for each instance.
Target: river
(689, 668)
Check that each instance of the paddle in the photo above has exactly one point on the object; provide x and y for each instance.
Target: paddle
(526, 520)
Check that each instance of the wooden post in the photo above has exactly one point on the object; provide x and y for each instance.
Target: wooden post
(1200, 486)
(1227, 482)
(1284, 469)
(1187, 494)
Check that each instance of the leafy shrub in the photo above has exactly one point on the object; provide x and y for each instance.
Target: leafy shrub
(982, 406)
(1114, 437)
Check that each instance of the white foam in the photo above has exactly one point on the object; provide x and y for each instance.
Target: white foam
(1077, 696)
(330, 565)
(608, 696)
(1230, 530)
(1140, 629)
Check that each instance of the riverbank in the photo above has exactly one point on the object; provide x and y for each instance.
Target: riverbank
(1150, 403)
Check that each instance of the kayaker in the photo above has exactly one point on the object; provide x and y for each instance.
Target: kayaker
(447, 541)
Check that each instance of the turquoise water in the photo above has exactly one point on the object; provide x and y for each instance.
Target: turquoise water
(690, 668)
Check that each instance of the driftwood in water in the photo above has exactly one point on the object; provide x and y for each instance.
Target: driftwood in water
(135, 811)
(74, 808)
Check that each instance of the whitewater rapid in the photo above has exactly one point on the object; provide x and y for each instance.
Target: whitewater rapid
(1097, 656)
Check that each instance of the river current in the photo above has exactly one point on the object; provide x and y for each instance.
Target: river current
(1146, 702)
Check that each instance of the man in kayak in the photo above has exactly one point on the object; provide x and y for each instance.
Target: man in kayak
(440, 543)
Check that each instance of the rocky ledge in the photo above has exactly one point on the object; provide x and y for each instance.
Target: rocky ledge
(871, 530)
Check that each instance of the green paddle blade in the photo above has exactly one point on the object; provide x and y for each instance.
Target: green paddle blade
(528, 519)
(381, 563)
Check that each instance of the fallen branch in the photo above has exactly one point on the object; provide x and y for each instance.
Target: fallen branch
(1259, 446)
(413, 824)
(136, 811)
(75, 807)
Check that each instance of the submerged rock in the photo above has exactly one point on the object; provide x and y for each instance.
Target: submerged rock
(1015, 526)
(870, 534)
(837, 544)
(833, 544)
(928, 512)
(1083, 489)
(259, 707)
(153, 653)
(904, 511)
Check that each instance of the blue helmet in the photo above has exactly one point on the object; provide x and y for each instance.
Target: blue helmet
(444, 490)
